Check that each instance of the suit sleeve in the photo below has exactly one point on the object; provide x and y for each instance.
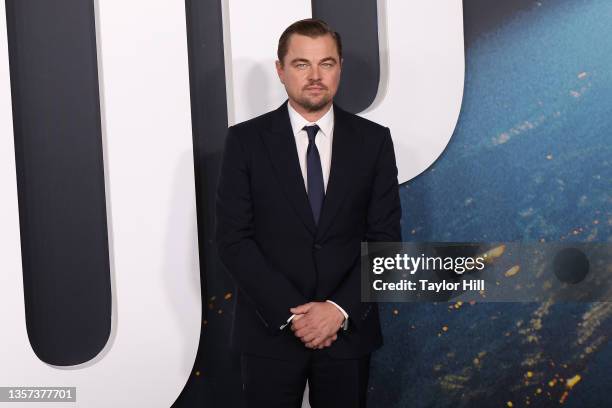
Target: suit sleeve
(383, 224)
(268, 290)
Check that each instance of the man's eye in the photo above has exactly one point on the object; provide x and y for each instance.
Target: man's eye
(327, 64)
(301, 66)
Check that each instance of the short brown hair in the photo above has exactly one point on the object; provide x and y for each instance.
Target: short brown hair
(310, 27)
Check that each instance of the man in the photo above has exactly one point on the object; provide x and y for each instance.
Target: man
(300, 188)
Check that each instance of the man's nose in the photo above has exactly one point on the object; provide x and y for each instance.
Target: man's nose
(315, 73)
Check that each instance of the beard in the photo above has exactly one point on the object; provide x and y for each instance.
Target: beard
(314, 104)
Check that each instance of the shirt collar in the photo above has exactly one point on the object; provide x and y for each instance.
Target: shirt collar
(325, 123)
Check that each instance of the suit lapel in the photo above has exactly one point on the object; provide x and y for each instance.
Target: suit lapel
(345, 148)
(280, 142)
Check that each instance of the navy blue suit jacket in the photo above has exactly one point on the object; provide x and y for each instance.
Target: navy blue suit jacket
(268, 241)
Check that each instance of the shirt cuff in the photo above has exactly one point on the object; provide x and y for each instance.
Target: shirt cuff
(288, 321)
(345, 323)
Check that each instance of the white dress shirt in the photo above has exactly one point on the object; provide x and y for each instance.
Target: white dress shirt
(323, 141)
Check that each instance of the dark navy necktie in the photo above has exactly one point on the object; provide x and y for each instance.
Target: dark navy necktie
(314, 173)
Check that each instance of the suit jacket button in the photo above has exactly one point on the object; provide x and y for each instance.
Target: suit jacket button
(318, 246)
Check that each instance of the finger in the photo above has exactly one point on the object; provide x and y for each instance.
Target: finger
(328, 341)
(308, 337)
(301, 308)
(301, 324)
(304, 332)
(317, 341)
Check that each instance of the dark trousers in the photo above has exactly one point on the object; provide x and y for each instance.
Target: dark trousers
(333, 383)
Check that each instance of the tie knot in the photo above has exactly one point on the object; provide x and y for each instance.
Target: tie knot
(312, 132)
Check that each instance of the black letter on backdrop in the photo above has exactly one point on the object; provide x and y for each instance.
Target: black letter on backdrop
(60, 178)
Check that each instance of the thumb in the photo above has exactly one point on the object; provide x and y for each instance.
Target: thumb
(301, 308)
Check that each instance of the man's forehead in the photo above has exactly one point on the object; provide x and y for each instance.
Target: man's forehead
(302, 44)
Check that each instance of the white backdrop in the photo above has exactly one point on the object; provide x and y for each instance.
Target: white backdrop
(422, 70)
(150, 187)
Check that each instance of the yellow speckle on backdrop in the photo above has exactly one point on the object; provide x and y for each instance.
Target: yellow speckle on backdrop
(493, 253)
(573, 381)
(512, 271)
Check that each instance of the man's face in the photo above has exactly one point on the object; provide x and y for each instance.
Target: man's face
(310, 71)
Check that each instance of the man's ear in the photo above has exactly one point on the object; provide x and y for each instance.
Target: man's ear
(280, 71)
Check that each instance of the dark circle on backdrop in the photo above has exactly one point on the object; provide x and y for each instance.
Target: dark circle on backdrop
(571, 265)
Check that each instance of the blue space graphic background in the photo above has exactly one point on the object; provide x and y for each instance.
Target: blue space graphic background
(529, 161)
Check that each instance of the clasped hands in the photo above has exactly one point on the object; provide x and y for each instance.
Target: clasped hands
(316, 323)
